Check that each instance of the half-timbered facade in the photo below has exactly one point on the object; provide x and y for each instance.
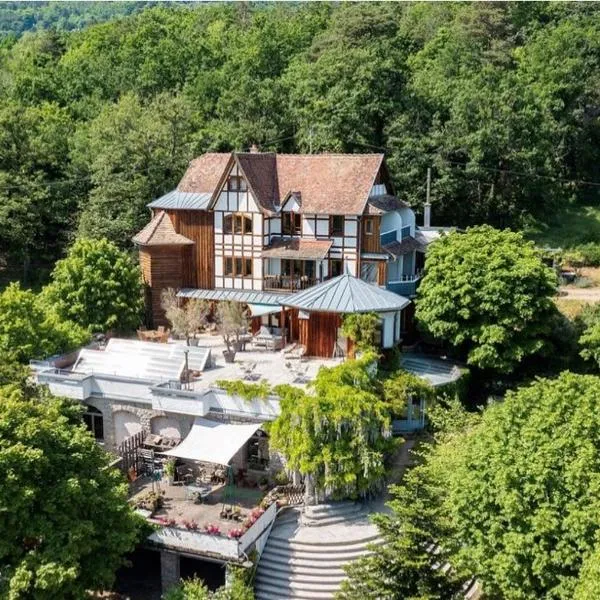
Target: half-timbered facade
(280, 223)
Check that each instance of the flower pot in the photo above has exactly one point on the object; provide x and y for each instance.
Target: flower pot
(237, 346)
(229, 356)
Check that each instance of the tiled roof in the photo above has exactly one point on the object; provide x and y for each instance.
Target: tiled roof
(176, 200)
(160, 232)
(377, 205)
(329, 183)
(310, 249)
(346, 294)
(204, 173)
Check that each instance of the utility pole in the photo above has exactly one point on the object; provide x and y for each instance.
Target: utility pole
(427, 207)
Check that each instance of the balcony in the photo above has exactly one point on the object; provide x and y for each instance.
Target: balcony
(288, 283)
(406, 285)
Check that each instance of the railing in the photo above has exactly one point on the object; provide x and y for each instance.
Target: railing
(290, 283)
(405, 285)
(128, 452)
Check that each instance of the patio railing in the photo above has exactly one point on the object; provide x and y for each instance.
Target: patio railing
(288, 282)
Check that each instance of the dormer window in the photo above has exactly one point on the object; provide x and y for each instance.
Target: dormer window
(291, 223)
(236, 183)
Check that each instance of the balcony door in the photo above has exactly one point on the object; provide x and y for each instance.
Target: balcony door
(300, 273)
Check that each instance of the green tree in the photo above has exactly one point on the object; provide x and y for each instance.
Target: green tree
(132, 153)
(98, 286)
(64, 514)
(30, 328)
(522, 489)
(339, 435)
(361, 329)
(237, 588)
(487, 293)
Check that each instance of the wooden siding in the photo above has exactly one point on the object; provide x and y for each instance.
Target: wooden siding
(370, 242)
(162, 267)
(198, 266)
(319, 333)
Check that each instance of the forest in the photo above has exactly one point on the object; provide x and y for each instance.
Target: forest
(501, 100)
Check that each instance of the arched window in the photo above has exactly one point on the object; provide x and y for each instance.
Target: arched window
(94, 422)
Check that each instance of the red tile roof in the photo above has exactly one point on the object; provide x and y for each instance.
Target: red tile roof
(307, 249)
(204, 173)
(160, 232)
(328, 183)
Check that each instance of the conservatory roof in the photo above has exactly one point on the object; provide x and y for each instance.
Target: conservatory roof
(346, 294)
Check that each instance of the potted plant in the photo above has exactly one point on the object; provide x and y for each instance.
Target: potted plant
(186, 318)
(236, 514)
(170, 470)
(232, 324)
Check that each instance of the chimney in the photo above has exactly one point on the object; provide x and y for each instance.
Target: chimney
(427, 215)
(254, 149)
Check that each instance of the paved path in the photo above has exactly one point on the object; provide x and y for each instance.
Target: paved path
(575, 293)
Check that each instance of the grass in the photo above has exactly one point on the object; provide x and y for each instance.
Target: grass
(569, 307)
(577, 224)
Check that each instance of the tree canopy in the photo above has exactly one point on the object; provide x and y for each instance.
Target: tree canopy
(488, 293)
(31, 329)
(63, 511)
(510, 497)
(98, 286)
(498, 99)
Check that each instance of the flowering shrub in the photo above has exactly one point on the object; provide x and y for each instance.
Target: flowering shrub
(212, 529)
(235, 533)
(191, 525)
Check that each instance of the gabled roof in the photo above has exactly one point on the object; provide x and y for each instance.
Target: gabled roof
(176, 200)
(204, 173)
(328, 183)
(302, 249)
(160, 232)
(346, 294)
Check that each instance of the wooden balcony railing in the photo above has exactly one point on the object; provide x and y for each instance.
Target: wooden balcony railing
(289, 283)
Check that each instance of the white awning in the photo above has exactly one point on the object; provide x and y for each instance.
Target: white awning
(213, 442)
(258, 310)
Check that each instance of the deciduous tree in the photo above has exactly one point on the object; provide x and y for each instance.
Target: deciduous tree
(66, 525)
(488, 293)
(98, 286)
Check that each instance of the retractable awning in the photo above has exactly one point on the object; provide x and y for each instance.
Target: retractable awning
(213, 442)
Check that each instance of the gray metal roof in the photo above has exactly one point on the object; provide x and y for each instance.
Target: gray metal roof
(433, 370)
(346, 294)
(182, 201)
(247, 296)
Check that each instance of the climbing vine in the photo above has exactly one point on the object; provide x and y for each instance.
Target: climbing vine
(246, 391)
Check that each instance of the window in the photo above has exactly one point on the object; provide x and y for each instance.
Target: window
(235, 183)
(228, 223)
(291, 223)
(368, 226)
(336, 225)
(238, 266)
(368, 271)
(94, 422)
(237, 223)
(336, 267)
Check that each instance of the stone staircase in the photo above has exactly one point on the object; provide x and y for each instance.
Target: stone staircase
(306, 552)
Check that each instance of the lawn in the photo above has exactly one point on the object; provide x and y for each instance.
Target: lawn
(577, 224)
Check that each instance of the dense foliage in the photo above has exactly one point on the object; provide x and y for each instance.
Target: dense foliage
(361, 329)
(98, 286)
(499, 99)
(339, 432)
(511, 497)
(30, 328)
(488, 293)
(195, 589)
(64, 517)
